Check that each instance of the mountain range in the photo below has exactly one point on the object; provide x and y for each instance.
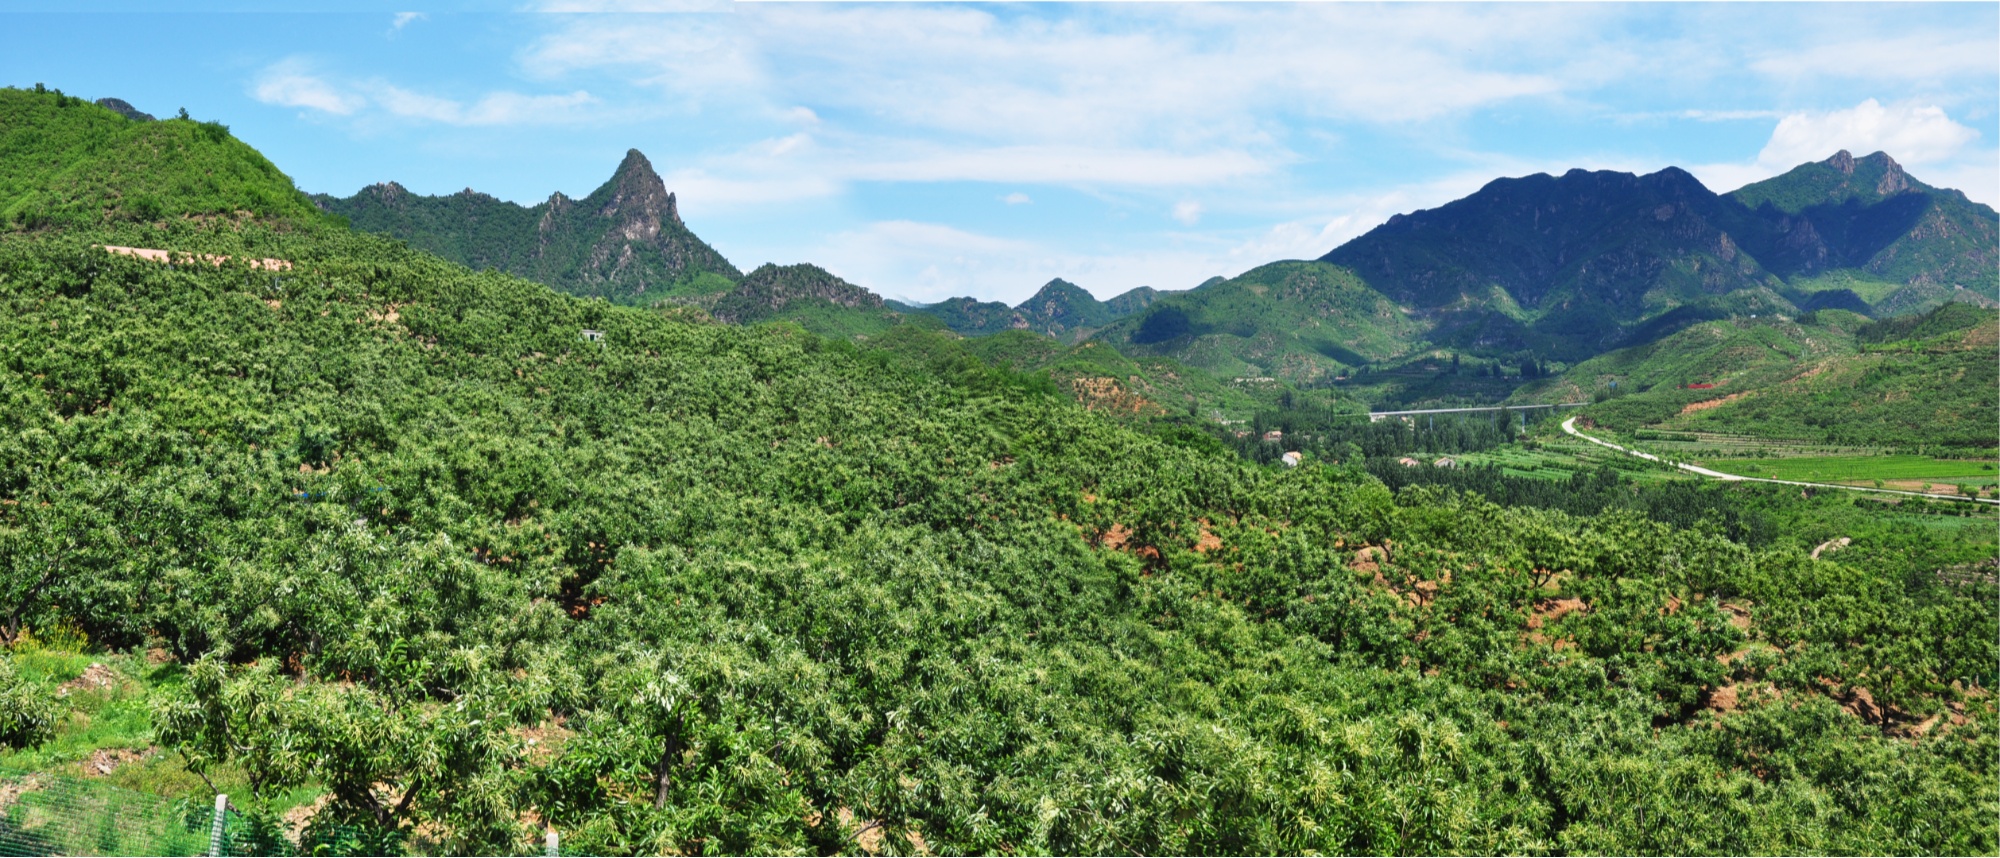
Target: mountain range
(1060, 309)
(1544, 268)
(1571, 266)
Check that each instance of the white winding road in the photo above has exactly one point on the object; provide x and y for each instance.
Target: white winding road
(1570, 427)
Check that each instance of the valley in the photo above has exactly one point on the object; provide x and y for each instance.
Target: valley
(478, 524)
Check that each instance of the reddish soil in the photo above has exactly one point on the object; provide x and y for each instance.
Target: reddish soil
(1208, 541)
(1706, 404)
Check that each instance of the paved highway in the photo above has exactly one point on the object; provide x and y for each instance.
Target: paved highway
(1570, 427)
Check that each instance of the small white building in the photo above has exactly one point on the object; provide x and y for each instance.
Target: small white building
(1292, 459)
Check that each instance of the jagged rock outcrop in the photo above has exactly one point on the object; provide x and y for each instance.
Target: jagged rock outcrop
(124, 108)
(624, 242)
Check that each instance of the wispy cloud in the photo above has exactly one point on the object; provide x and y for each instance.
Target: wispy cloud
(404, 19)
(1912, 133)
(1106, 74)
(497, 108)
(1017, 199)
(290, 84)
(1927, 56)
(1916, 134)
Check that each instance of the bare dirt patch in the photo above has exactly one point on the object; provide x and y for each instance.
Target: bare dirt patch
(152, 254)
(1105, 393)
(1706, 404)
(1207, 541)
(298, 818)
(1817, 369)
(96, 677)
(104, 761)
(1369, 558)
(1548, 611)
(11, 790)
(544, 741)
(867, 834)
(1723, 699)
(1116, 537)
(1739, 616)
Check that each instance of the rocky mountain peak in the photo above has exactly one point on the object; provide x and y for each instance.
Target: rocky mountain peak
(639, 199)
(1843, 161)
(1894, 180)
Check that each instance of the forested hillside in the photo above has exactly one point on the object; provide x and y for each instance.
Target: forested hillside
(415, 544)
(1831, 377)
(1299, 321)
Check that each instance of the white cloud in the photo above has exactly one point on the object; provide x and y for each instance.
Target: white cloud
(698, 57)
(1016, 199)
(789, 145)
(404, 19)
(1910, 133)
(628, 6)
(1915, 134)
(1107, 76)
(1930, 56)
(1977, 174)
(291, 84)
(1058, 165)
(701, 192)
(288, 84)
(1188, 212)
(498, 108)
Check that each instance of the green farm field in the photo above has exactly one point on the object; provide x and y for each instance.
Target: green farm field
(1858, 469)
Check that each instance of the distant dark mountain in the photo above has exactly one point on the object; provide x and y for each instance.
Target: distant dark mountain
(1303, 321)
(1870, 216)
(1133, 300)
(969, 316)
(1060, 309)
(1570, 265)
(625, 242)
(771, 288)
(1574, 265)
(812, 297)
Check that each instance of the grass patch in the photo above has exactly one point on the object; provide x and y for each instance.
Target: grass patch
(1863, 469)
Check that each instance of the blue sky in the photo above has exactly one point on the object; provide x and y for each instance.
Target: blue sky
(931, 150)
